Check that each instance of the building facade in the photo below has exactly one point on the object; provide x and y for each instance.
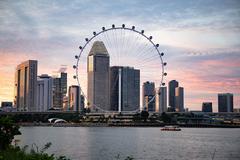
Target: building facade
(161, 99)
(207, 107)
(124, 88)
(98, 77)
(75, 98)
(26, 86)
(148, 93)
(179, 99)
(66, 103)
(225, 102)
(59, 90)
(172, 85)
(44, 93)
(6, 104)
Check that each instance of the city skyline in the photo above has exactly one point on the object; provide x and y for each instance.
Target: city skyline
(100, 72)
(205, 64)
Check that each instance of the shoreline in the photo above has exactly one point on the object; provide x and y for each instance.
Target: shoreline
(28, 124)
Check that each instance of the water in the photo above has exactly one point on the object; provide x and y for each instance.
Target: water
(106, 143)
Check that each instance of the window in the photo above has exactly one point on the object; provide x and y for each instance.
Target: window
(90, 63)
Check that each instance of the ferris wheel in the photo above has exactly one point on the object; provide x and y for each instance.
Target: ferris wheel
(126, 46)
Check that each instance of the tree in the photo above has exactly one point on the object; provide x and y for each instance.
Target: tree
(165, 118)
(88, 110)
(7, 132)
(137, 117)
(144, 115)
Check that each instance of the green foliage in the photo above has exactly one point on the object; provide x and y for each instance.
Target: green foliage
(137, 117)
(7, 132)
(86, 110)
(166, 118)
(13, 153)
(144, 115)
(8, 129)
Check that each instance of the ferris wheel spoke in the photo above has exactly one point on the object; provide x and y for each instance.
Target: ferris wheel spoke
(116, 45)
(150, 59)
(146, 51)
(111, 46)
(114, 42)
(141, 48)
(143, 59)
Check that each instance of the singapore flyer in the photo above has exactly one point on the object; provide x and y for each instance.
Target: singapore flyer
(113, 65)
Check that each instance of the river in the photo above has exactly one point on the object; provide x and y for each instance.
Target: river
(110, 143)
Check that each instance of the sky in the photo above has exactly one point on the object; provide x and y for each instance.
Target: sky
(200, 39)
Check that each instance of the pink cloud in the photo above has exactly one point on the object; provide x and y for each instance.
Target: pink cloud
(221, 63)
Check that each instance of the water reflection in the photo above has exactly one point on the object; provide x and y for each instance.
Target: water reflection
(92, 143)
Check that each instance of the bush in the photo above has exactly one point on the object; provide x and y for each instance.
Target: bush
(13, 153)
(8, 129)
(7, 132)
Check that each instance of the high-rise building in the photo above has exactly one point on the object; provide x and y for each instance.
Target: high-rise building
(172, 85)
(65, 103)
(179, 99)
(26, 86)
(7, 107)
(75, 98)
(59, 90)
(82, 102)
(6, 104)
(161, 99)
(148, 92)
(63, 82)
(98, 77)
(44, 93)
(225, 102)
(124, 88)
(207, 107)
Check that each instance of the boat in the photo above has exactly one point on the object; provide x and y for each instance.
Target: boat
(170, 128)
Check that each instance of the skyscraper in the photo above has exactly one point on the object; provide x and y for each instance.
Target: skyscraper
(148, 92)
(124, 88)
(44, 93)
(63, 82)
(225, 102)
(26, 86)
(59, 90)
(161, 99)
(207, 107)
(171, 93)
(75, 101)
(66, 103)
(179, 99)
(98, 76)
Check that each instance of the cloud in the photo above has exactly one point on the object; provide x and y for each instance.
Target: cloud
(200, 39)
(206, 75)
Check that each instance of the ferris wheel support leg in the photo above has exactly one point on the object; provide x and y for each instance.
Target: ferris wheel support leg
(119, 89)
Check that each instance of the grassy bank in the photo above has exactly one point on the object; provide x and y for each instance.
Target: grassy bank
(8, 129)
(17, 153)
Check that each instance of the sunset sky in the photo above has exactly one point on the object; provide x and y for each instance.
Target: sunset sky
(200, 39)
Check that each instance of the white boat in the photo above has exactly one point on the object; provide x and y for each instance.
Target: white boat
(171, 128)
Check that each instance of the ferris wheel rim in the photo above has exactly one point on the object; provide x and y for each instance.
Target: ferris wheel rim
(123, 27)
